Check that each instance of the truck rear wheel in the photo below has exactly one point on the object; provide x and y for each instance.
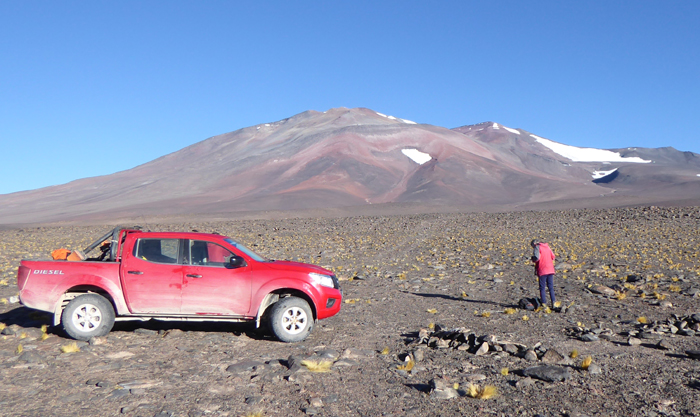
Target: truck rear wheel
(291, 319)
(87, 316)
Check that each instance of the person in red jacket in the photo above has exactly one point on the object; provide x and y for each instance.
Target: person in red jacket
(543, 257)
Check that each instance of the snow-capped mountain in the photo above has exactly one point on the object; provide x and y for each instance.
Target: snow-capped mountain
(358, 157)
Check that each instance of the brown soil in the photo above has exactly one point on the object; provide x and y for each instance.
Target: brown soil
(400, 274)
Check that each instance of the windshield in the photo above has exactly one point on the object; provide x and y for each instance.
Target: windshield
(245, 250)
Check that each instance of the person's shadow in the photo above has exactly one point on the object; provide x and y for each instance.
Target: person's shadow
(453, 298)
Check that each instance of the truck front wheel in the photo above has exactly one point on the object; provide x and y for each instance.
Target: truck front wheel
(87, 316)
(291, 319)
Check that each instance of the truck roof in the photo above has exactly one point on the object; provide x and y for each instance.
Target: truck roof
(182, 235)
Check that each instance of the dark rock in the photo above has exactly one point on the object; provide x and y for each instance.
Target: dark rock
(510, 348)
(663, 345)
(554, 357)
(118, 393)
(244, 366)
(530, 355)
(548, 373)
(441, 390)
(255, 399)
(594, 369)
(524, 383)
(330, 399)
(30, 356)
(633, 278)
(589, 337)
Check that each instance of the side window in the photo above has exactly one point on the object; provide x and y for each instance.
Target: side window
(207, 253)
(157, 250)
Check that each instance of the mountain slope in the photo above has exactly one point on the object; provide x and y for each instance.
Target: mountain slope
(348, 157)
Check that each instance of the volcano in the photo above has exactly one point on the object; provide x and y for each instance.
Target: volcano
(357, 158)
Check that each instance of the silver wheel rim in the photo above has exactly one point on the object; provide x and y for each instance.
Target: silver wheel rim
(294, 320)
(87, 318)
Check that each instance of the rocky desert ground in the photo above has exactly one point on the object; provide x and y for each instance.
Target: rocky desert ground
(430, 324)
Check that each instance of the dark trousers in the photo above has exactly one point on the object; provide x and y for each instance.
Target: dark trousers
(548, 281)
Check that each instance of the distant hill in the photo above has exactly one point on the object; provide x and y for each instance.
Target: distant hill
(358, 158)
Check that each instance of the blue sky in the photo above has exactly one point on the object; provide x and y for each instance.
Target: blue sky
(92, 88)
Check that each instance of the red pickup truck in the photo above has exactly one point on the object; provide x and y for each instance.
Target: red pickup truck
(142, 275)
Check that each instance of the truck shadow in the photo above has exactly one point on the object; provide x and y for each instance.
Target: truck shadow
(26, 318)
(164, 327)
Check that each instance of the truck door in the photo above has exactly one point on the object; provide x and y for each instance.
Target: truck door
(209, 285)
(152, 276)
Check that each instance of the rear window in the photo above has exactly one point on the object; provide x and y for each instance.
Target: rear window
(162, 251)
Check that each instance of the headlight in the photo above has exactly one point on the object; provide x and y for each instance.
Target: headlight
(321, 279)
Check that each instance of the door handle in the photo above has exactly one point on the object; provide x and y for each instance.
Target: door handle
(194, 275)
(135, 272)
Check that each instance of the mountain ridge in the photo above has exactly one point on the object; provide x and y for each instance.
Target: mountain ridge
(355, 157)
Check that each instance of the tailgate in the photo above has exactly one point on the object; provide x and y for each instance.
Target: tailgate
(22, 275)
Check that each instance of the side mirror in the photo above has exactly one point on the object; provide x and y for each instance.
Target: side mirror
(235, 261)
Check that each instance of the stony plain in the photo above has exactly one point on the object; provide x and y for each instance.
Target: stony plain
(414, 286)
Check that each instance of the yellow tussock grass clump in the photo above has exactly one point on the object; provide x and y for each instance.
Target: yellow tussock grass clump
(573, 354)
(407, 366)
(317, 366)
(504, 371)
(586, 362)
(431, 310)
(486, 314)
(557, 304)
(526, 318)
(509, 311)
(642, 320)
(20, 349)
(489, 391)
(44, 336)
(70, 348)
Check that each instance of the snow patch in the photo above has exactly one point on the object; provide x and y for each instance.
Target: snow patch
(396, 118)
(587, 154)
(495, 126)
(417, 156)
(517, 132)
(600, 174)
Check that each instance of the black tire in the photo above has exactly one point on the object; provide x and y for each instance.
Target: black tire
(291, 319)
(87, 316)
